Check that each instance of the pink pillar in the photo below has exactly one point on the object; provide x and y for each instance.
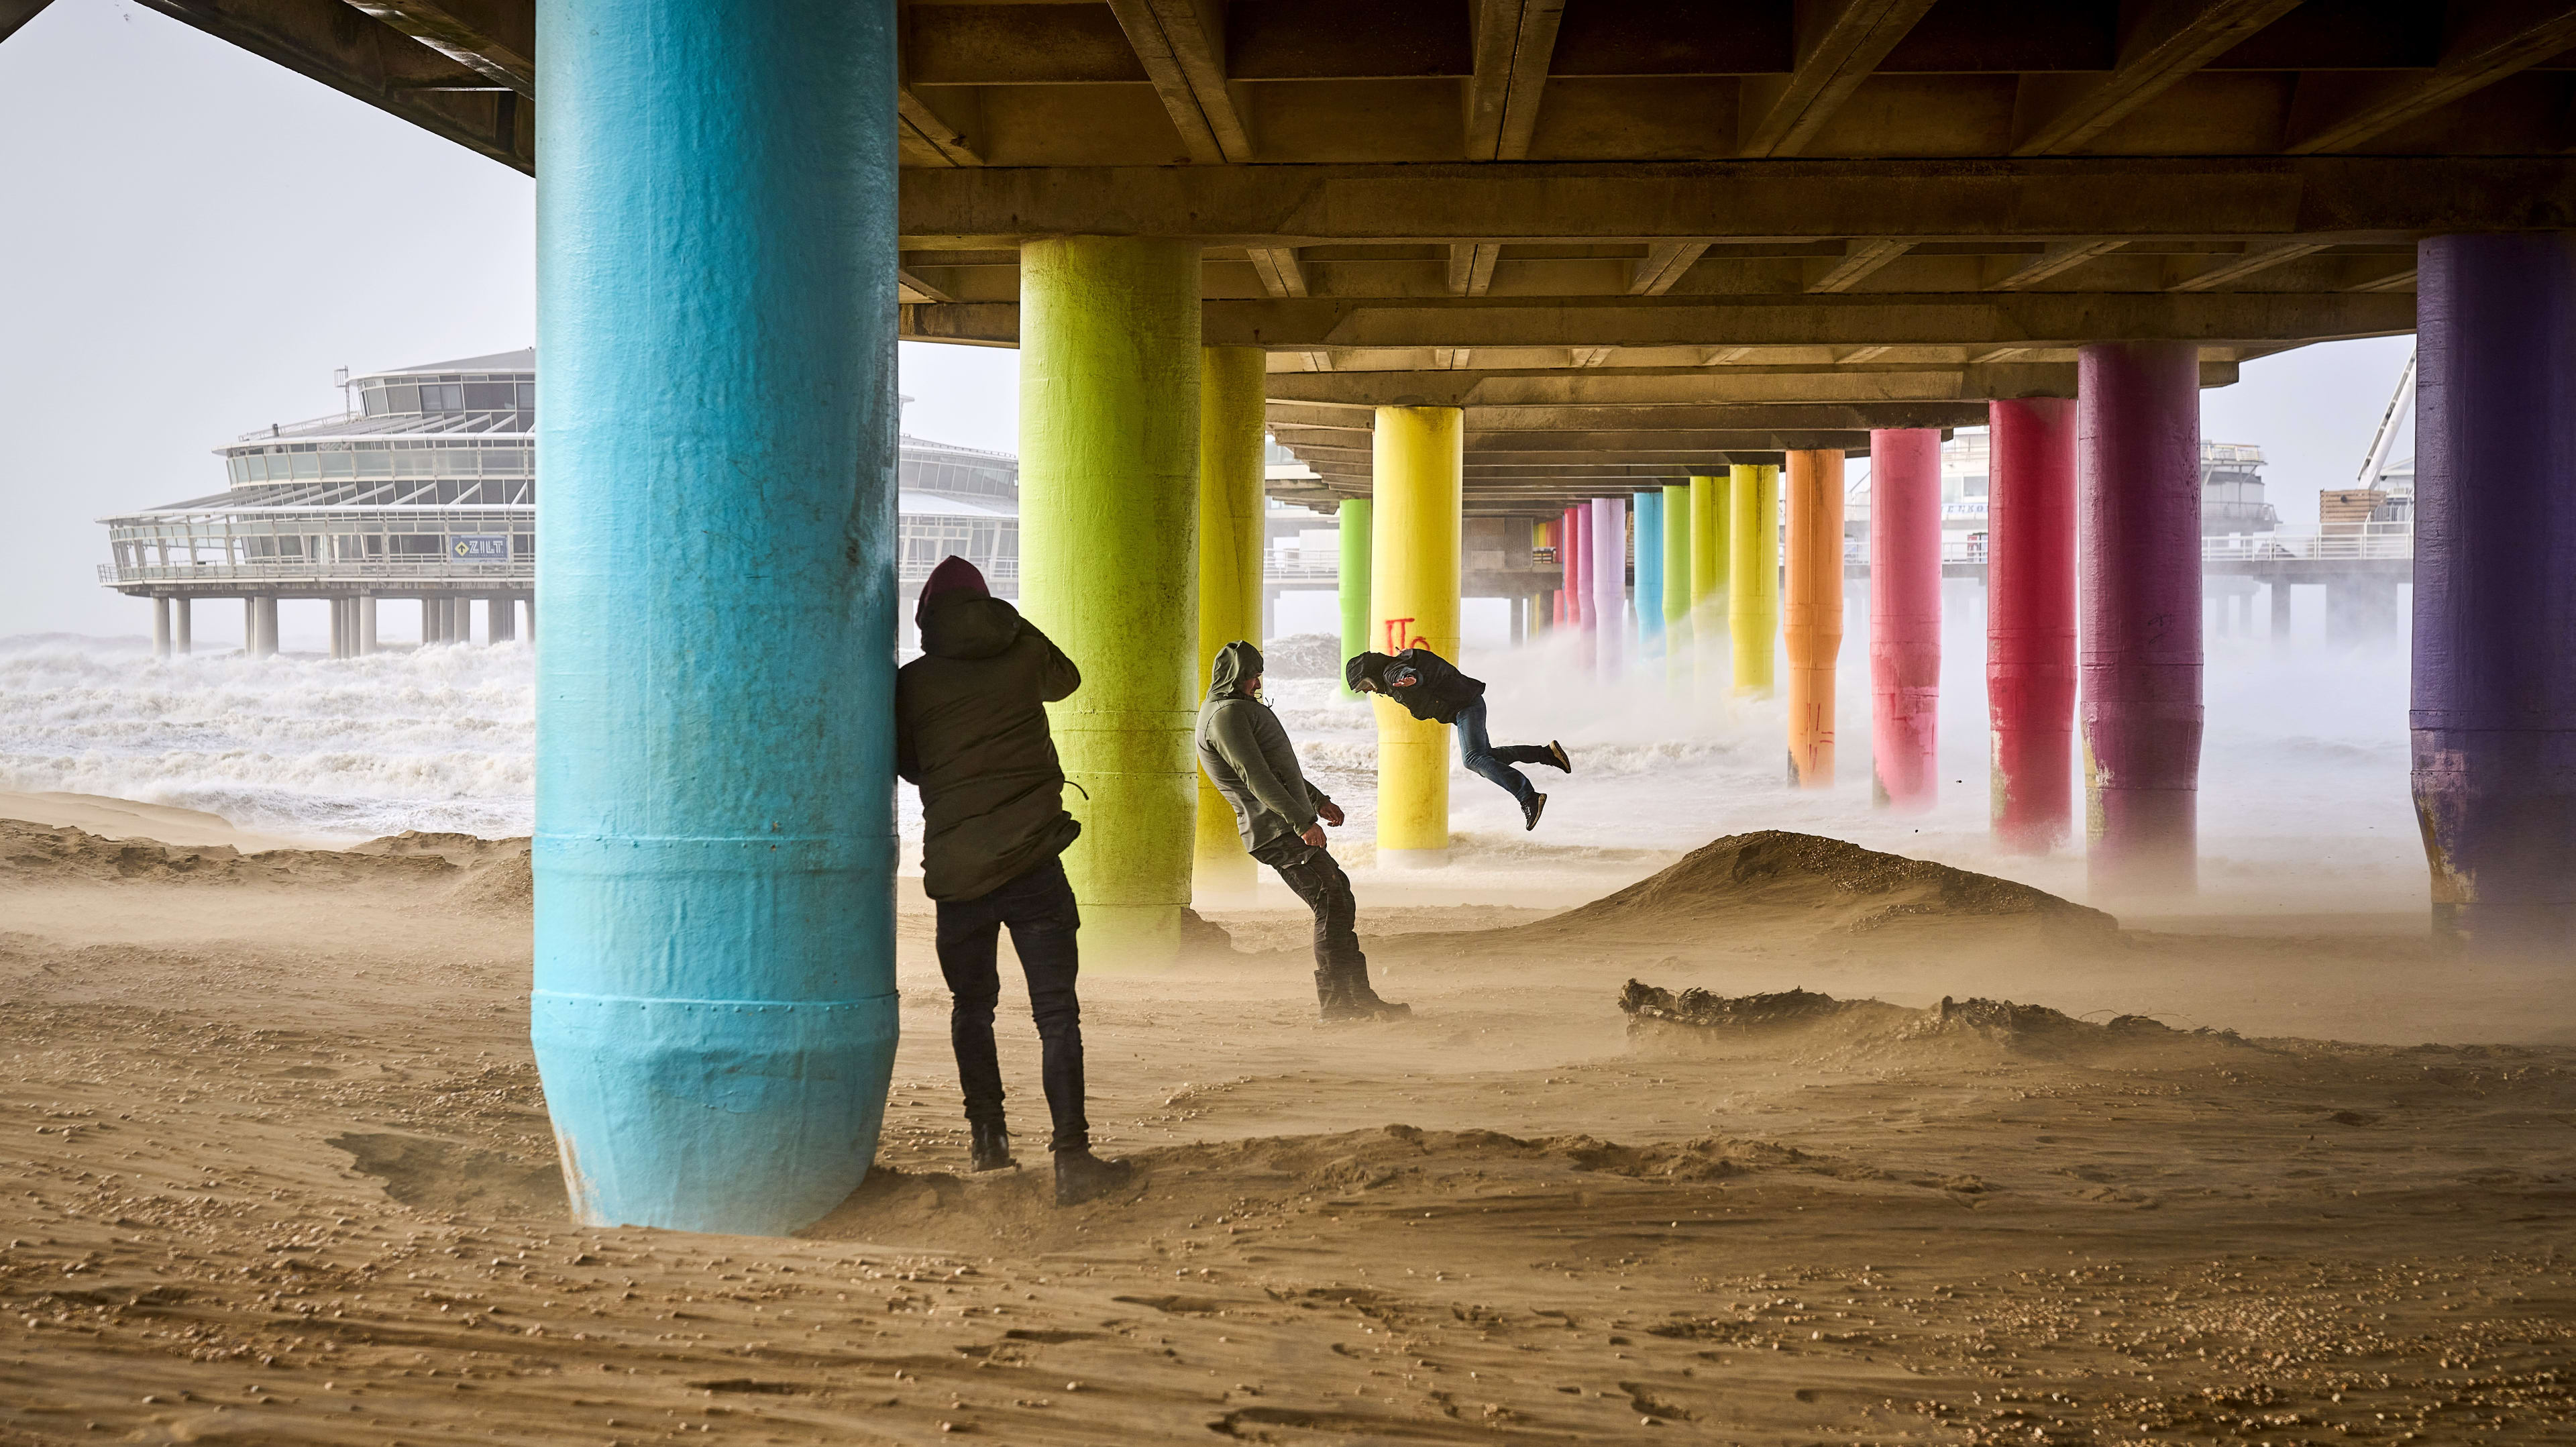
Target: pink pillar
(2137, 478)
(2030, 622)
(1905, 615)
(1578, 579)
(1608, 576)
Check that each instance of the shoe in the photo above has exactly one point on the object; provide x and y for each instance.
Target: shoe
(1563, 762)
(991, 1147)
(1354, 1000)
(1530, 811)
(1081, 1176)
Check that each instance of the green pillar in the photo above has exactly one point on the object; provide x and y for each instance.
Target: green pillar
(1354, 579)
(1231, 544)
(1109, 492)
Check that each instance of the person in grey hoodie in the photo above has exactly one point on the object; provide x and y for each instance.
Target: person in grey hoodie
(1247, 756)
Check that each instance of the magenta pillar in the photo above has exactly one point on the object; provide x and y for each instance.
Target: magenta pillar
(1608, 576)
(2494, 685)
(1905, 615)
(2137, 482)
(2030, 621)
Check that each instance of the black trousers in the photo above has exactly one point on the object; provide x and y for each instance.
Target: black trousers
(1317, 878)
(1038, 906)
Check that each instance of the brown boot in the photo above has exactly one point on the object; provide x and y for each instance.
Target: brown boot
(1350, 998)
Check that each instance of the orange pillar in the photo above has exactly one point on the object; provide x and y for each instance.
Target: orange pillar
(1812, 612)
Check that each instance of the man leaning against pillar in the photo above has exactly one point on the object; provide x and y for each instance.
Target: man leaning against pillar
(971, 731)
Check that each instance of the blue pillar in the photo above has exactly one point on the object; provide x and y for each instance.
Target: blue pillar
(1650, 573)
(2494, 716)
(714, 1014)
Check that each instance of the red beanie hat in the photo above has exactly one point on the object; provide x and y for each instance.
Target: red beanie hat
(954, 574)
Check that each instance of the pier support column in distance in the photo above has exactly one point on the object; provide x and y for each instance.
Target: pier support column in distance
(2030, 622)
(366, 606)
(1352, 580)
(1231, 598)
(1753, 574)
(500, 618)
(183, 625)
(2494, 694)
(1607, 572)
(160, 626)
(2137, 478)
(264, 611)
(1677, 583)
(1418, 463)
(714, 1015)
(1813, 616)
(2276, 605)
(1650, 575)
(340, 630)
(1905, 617)
(1109, 561)
(2361, 612)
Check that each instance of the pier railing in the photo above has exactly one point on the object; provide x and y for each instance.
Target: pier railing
(2351, 542)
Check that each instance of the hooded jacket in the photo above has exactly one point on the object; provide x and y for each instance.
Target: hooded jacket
(1247, 756)
(1428, 686)
(971, 730)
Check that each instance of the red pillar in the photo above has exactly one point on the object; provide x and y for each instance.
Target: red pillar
(2030, 621)
(1905, 615)
(2137, 477)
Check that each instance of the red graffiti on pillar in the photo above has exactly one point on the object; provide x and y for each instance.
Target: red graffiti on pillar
(1395, 635)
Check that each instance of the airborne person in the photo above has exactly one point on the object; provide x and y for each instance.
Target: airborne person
(1247, 756)
(1431, 688)
(971, 730)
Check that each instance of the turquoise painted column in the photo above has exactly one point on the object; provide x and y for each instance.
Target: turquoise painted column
(1650, 573)
(714, 1015)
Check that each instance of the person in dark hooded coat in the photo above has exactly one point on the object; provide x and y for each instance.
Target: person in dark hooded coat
(971, 731)
(1431, 688)
(1249, 759)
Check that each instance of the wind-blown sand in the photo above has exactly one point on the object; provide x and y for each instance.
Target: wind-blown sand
(278, 1171)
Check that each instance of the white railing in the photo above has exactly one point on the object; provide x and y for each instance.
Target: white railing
(2347, 542)
(424, 568)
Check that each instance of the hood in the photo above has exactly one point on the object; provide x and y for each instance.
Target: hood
(967, 625)
(953, 575)
(1233, 664)
(1371, 666)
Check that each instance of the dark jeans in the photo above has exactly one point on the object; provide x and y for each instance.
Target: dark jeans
(1480, 756)
(1039, 908)
(1318, 879)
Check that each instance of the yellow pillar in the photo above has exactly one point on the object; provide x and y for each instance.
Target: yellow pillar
(1753, 574)
(1814, 616)
(1418, 464)
(1677, 536)
(1231, 539)
(1109, 502)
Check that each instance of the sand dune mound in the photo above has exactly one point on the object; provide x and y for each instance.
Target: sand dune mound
(1659, 1018)
(1774, 878)
(486, 872)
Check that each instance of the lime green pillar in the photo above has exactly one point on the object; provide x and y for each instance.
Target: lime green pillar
(1231, 538)
(1708, 508)
(1353, 579)
(1753, 574)
(1418, 467)
(1677, 581)
(1109, 501)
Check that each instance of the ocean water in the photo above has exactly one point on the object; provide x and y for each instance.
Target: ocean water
(2303, 799)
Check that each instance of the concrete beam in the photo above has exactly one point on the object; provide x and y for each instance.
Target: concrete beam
(1838, 43)
(326, 41)
(1323, 423)
(1277, 266)
(2019, 320)
(2169, 40)
(1181, 44)
(927, 139)
(496, 39)
(2351, 198)
(1514, 41)
(1860, 258)
(15, 13)
(2498, 38)
(1665, 263)
(1689, 386)
(2257, 259)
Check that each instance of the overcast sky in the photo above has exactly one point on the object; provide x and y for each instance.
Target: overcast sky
(196, 238)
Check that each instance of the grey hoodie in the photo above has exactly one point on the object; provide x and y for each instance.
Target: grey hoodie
(1248, 758)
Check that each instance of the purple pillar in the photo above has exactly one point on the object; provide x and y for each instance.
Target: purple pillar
(2494, 718)
(2137, 477)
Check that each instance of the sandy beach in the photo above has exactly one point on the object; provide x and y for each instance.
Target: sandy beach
(280, 1172)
